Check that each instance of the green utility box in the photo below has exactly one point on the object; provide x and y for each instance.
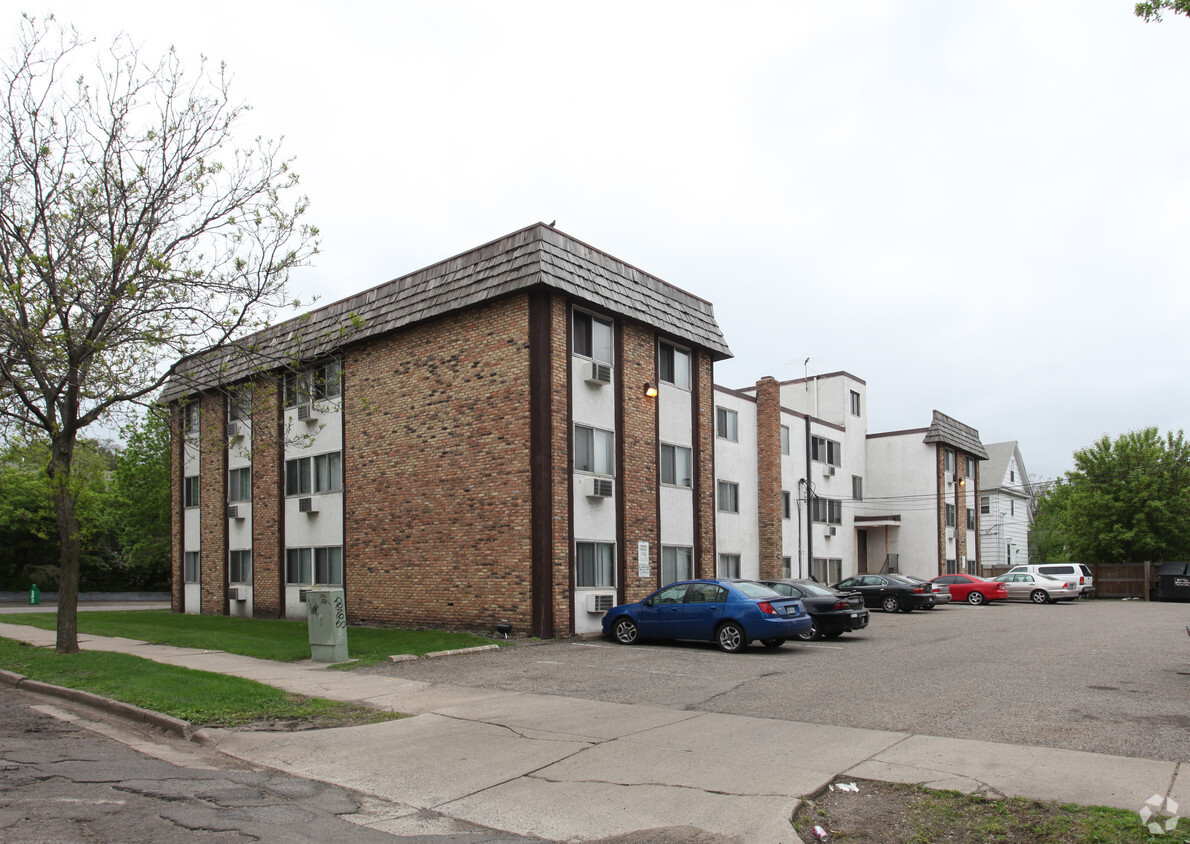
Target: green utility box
(327, 618)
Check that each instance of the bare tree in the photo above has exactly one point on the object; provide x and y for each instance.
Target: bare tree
(133, 232)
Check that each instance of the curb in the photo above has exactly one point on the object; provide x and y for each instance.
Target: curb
(436, 654)
(136, 714)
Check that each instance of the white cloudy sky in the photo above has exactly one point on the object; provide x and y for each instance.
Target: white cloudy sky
(981, 208)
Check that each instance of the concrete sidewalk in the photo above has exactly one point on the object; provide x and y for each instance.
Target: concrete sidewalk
(576, 770)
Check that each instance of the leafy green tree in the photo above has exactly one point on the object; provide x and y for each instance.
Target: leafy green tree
(140, 502)
(1047, 533)
(133, 231)
(1152, 11)
(1127, 499)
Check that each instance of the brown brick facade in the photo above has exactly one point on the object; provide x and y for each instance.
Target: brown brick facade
(177, 469)
(637, 473)
(768, 471)
(704, 461)
(212, 459)
(268, 500)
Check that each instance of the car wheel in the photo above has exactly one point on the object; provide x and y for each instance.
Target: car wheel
(730, 637)
(929, 606)
(626, 631)
(890, 603)
(1039, 596)
(833, 634)
(772, 643)
(813, 633)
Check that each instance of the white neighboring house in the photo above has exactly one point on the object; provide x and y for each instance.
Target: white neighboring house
(1005, 506)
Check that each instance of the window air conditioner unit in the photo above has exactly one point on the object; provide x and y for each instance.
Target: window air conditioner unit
(233, 430)
(601, 488)
(307, 413)
(832, 530)
(233, 512)
(600, 602)
(237, 593)
(307, 505)
(828, 471)
(600, 374)
(950, 533)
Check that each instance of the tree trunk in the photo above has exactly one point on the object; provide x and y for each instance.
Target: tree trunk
(61, 457)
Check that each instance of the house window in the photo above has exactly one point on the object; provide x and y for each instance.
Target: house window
(729, 497)
(826, 451)
(786, 505)
(854, 403)
(1012, 476)
(950, 460)
(828, 511)
(328, 566)
(239, 567)
(190, 566)
(985, 505)
(950, 515)
(970, 467)
(952, 567)
(826, 569)
(727, 424)
(190, 491)
(239, 405)
(1008, 554)
(785, 439)
(190, 417)
(592, 337)
(1011, 507)
(675, 465)
(787, 566)
(297, 565)
(673, 365)
(321, 473)
(594, 565)
(320, 381)
(594, 450)
(239, 484)
(857, 487)
(970, 518)
(677, 563)
(729, 565)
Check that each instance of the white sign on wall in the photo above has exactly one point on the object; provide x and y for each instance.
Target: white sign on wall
(642, 559)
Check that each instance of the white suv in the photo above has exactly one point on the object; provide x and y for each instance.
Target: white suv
(1075, 574)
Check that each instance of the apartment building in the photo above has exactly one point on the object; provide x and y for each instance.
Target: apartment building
(522, 433)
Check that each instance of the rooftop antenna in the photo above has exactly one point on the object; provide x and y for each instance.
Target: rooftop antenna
(805, 368)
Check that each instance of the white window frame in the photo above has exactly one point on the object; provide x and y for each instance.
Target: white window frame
(786, 504)
(855, 403)
(601, 335)
(727, 424)
(191, 491)
(825, 450)
(304, 477)
(677, 465)
(827, 569)
(239, 484)
(827, 511)
(785, 439)
(857, 487)
(594, 450)
(594, 565)
(191, 566)
(728, 496)
(676, 360)
(728, 565)
(239, 566)
(677, 563)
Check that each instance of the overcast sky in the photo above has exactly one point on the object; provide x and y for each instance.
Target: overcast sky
(980, 208)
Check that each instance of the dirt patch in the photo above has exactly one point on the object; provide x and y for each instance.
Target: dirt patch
(892, 813)
(345, 715)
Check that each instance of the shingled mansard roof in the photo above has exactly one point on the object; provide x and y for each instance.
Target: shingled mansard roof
(537, 255)
(954, 433)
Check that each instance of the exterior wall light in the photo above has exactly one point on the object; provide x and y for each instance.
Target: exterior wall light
(650, 390)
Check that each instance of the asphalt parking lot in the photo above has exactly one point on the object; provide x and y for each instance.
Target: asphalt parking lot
(1101, 676)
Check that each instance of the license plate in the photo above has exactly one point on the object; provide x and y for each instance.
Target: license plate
(854, 616)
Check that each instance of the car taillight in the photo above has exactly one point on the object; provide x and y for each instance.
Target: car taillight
(920, 589)
(766, 608)
(841, 605)
(1081, 581)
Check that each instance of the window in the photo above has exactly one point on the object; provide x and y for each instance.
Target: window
(950, 460)
(857, 487)
(297, 565)
(321, 381)
(594, 450)
(950, 515)
(970, 467)
(239, 484)
(321, 473)
(677, 563)
(1008, 554)
(239, 567)
(826, 569)
(592, 337)
(1012, 476)
(1011, 507)
(239, 404)
(952, 566)
(190, 566)
(729, 566)
(786, 505)
(828, 511)
(985, 505)
(785, 439)
(826, 451)
(787, 566)
(970, 518)
(594, 565)
(328, 566)
(190, 491)
(190, 417)
(729, 497)
(675, 465)
(673, 365)
(854, 403)
(726, 424)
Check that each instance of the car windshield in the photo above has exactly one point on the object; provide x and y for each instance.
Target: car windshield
(815, 589)
(756, 590)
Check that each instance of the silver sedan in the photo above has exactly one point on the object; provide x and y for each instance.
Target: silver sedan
(1036, 588)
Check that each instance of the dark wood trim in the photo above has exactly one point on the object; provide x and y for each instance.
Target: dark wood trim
(542, 464)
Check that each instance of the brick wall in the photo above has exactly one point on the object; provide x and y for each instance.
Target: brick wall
(437, 472)
(212, 461)
(768, 471)
(268, 499)
(177, 512)
(637, 478)
(562, 554)
(704, 470)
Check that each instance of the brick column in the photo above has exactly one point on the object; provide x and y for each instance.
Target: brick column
(702, 369)
(268, 499)
(177, 512)
(638, 479)
(768, 474)
(212, 462)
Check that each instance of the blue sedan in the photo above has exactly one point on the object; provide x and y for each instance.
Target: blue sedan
(730, 613)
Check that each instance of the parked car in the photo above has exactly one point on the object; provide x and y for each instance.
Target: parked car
(832, 613)
(731, 613)
(1038, 588)
(941, 593)
(972, 589)
(889, 592)
(1076, 574)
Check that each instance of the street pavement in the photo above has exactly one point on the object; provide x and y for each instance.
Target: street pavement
(576, 770)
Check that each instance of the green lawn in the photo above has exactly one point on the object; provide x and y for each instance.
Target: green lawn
(284, 641)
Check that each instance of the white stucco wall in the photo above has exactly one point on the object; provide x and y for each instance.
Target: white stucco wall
(736, 533)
